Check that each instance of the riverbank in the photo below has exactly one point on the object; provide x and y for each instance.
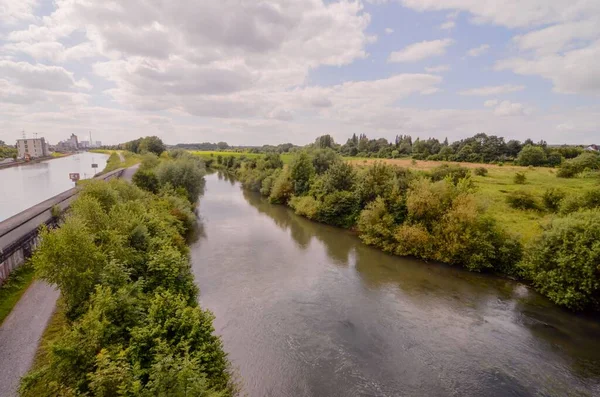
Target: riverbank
(34, 161)
(307, 309)
(438, 215)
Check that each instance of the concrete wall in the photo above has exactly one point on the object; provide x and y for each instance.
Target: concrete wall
(19, 233)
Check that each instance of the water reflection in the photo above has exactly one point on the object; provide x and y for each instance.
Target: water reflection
(306, 309)
(24, 186)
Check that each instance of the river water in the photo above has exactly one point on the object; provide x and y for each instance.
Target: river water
(307, 310)
(27, 185)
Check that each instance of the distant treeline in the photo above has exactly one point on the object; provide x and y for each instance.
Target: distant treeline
(481, 148)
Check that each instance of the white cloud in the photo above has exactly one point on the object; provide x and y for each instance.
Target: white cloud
(512, 13)
(508, 108)
(490, 103)
(448, 25)
(477, 51)
(571, 72)
(437, 69)
(418, 51)
(493, 90)
(13, 11)
(389, 30)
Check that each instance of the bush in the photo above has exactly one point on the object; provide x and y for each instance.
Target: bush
(413, 240)
(147, 180)
(282, 189)
(532, 155)
(376, 226)
(573, 167)
(186, 173)
(563, 262)
(339, 209)
(301, 172)
(306, 206)
(522, 200)
(520, 178)
(454, 172)
(480, 171)
(553, 198)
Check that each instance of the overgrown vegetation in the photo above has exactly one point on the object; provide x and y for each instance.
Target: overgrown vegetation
(437, 214)
(132, 322)
(7, 152)
(13, 288)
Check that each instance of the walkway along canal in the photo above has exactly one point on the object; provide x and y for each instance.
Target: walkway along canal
(308, 310)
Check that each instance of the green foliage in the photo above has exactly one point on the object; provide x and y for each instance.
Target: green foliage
(480, 171)
(146, 179)
(340, 176)
(282, 188)
(306, 206)
(339, 208)
(376, 225)
(520, 178)
(71, 260)
(454, 172)
(322, 159)
(186, 173)
(374, 181)
(522, 200)
(575, 166)
(563, 262)
(553, 198)
(7, 152)
(532, 155)
(149, 144)
(301, 172)
(135, 328)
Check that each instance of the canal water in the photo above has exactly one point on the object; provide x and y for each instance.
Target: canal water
(307, 310)
(27, 185)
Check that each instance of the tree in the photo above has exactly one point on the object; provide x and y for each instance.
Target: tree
(69, 258)
(301, 171)
(532, 155)
(183, 173)
(324, 141)
(322, 159)
(563, 262)
(222, 145)
(152, 144)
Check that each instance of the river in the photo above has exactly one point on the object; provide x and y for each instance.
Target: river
(27, 185)
(308, 310)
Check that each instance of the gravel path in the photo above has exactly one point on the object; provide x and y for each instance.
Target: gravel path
(21, 331)
(20, 334)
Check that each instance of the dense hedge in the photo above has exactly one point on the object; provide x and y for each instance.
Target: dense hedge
(135, 329)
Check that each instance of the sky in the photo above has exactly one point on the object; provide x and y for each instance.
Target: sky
(253, 72)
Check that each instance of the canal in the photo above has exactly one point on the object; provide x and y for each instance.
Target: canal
(307, 310)
(26, 185)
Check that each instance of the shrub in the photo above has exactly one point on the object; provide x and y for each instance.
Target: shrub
(563, 262)
(520, 178)
(268, 182)
(186, 173)
(339, 208)
(301, 172)
(374, 181)
(573, 167)
(282, 189)
(454, 172)
(147, 180)
(480, 171)
(376, 225)
(552, 199)
(567, 170)
(532, 155)
(521, 200)
(306, 206)
(413, 240)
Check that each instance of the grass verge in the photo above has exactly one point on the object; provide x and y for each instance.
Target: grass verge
(12, 290)
(55, 329)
